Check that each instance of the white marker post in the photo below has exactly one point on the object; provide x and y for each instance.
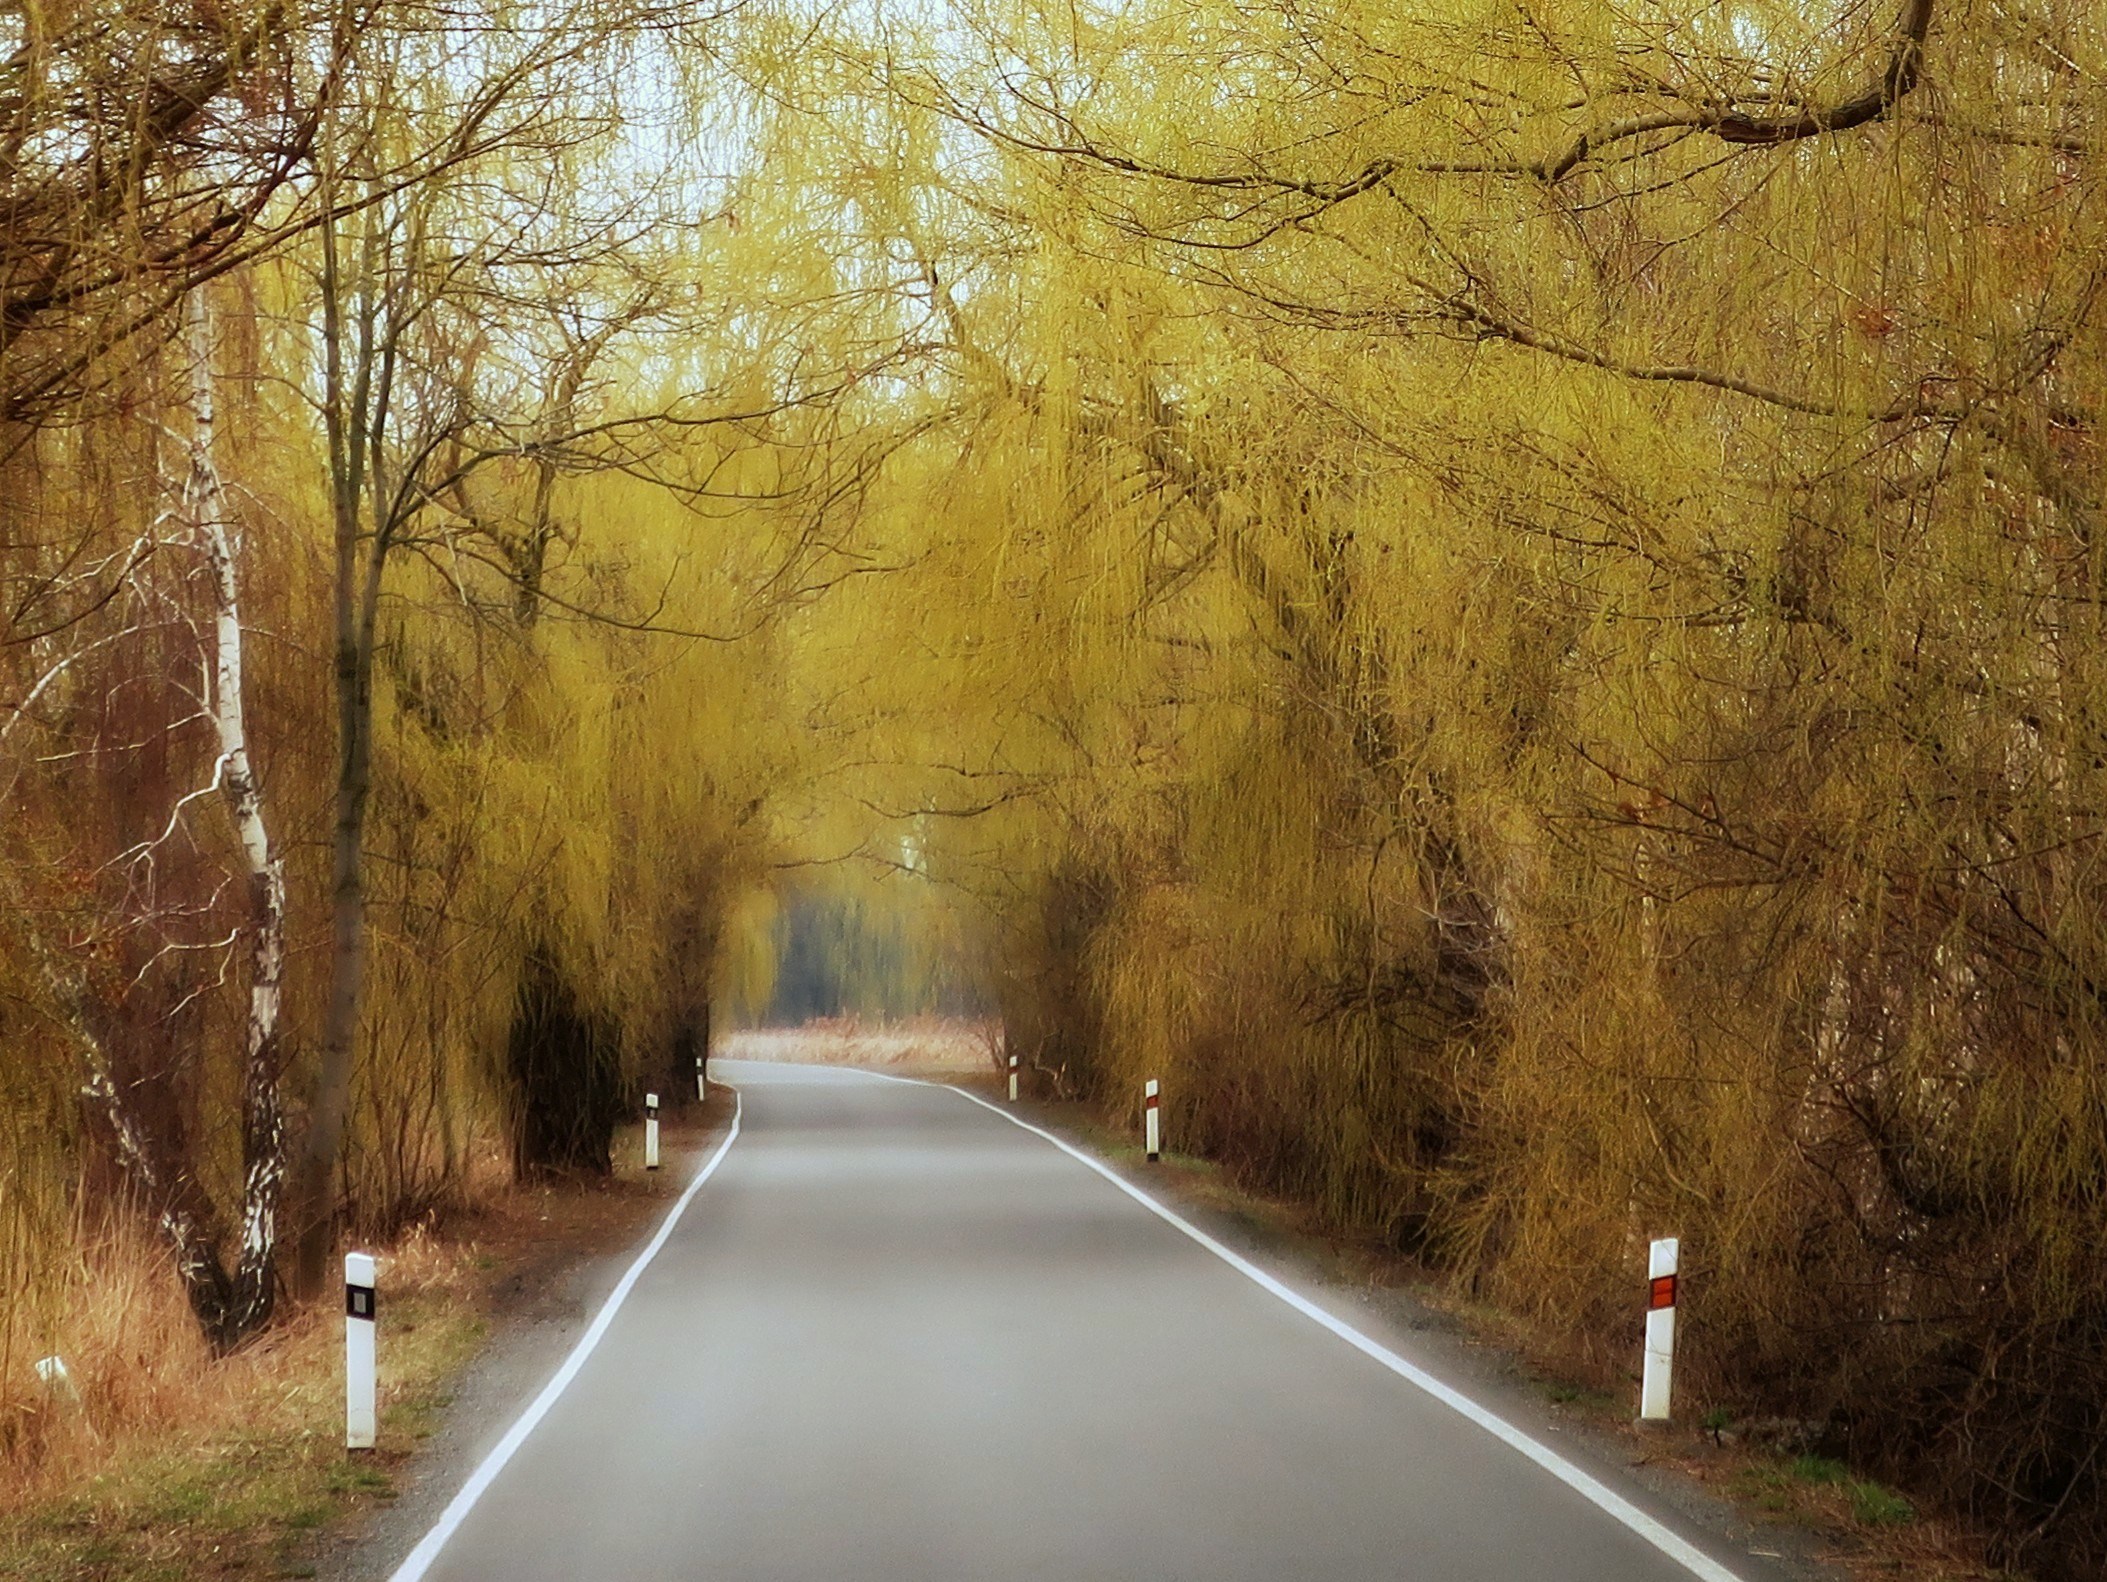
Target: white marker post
(1149, 1099)
(361, 1380)
(1659, 1376)
(702, 1079)
(1013, 1079)
(651, 1131)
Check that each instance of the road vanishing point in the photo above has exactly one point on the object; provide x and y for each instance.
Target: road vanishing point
(889, 1334)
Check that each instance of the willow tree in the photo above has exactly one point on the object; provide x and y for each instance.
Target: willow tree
(1628, 473)
(572, 461)
(148, 148)
(481, 288)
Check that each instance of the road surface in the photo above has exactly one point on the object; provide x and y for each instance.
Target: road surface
(894, 1337)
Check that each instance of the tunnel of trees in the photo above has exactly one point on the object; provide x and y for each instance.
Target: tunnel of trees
(1507, 598)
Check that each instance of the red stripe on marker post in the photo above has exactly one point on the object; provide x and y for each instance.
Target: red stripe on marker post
(1661, 1293)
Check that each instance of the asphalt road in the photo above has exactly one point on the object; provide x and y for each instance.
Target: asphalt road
(895, 1338)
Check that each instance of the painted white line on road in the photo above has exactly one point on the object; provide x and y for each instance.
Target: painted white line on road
(1607, 1500)
(427, 1550)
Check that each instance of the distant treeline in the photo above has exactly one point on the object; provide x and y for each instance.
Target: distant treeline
(865, 954)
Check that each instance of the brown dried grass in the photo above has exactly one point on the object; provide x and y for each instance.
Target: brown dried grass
(942, 1046)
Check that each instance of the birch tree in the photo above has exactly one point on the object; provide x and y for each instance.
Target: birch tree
(254, 1278)
(232, 1297)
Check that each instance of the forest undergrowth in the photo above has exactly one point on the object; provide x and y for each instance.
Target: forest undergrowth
(161, 1462)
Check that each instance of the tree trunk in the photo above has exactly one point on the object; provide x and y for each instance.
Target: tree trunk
(332, 1093)
(566, 1075)
(694, 952)
(181, 1211)
(254, 1286)
(353, 442)
(690, 1047)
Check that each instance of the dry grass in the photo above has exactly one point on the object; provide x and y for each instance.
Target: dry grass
(173, 1465)
(133, 1356)
(929, 1045)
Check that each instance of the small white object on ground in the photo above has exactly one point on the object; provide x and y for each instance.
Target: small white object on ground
(57, 1380)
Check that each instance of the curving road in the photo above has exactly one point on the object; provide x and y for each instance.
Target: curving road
(894, 1337)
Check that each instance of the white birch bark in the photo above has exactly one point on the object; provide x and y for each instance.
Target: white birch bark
(263, 1120)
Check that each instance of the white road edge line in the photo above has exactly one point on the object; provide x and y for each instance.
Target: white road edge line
(420, 1559)
(1607, 1500)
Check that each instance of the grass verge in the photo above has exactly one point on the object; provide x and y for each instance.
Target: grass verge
(1864, 1529)
(241, 1488)
(241, 1471)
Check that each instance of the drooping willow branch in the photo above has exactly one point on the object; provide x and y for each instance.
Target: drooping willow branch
(1724, 120)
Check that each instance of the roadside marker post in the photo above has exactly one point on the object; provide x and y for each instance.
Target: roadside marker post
(1151, 1096)
(1013, 1079)
(651, 1131)
(1649, 1529)
(361, 1379)
(1658, 1380)
(702, 1079)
